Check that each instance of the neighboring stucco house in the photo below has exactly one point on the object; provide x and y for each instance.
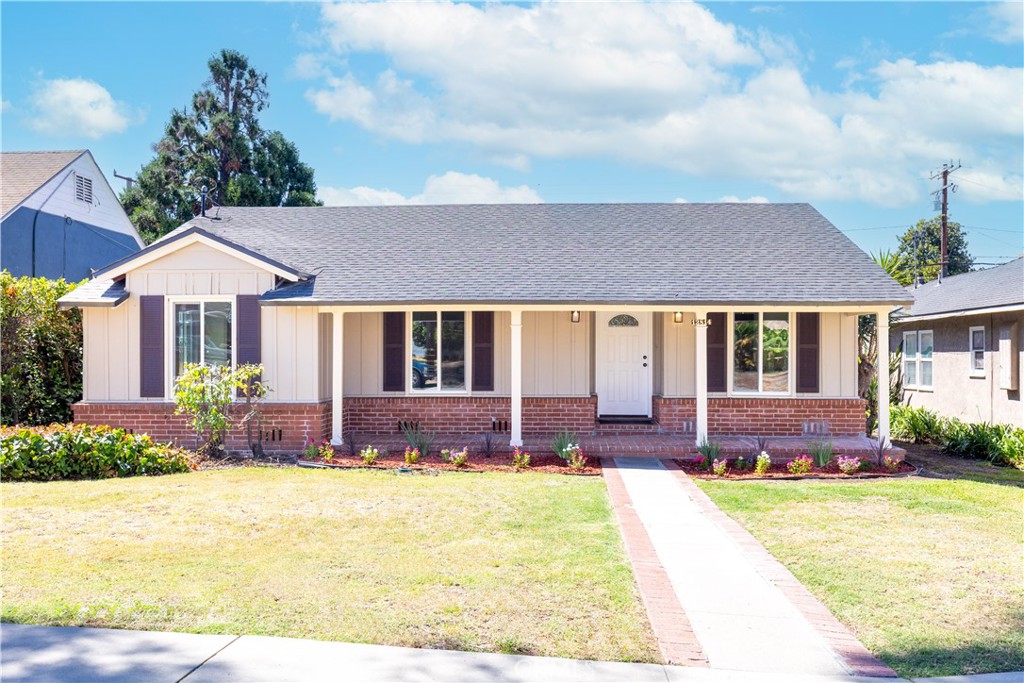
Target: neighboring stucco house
(60, 217)
(963, 345)
(689, 319)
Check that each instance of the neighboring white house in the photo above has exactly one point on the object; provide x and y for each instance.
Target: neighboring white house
(963, 345)
(60, 217)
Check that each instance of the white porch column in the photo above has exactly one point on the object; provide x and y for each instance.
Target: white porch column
(337, 370)
(701, 370)
(517, 379)
(882, 368)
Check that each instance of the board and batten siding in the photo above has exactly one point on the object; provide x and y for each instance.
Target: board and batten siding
(288, 338)
(556, 360)
(838, 356)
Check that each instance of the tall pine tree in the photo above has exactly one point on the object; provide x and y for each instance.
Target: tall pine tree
(218, 142)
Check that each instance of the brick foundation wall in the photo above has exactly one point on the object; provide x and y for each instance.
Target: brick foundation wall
(286, 426)
(764, 416)
(467, 414)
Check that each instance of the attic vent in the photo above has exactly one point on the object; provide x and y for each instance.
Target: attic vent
(83, 189)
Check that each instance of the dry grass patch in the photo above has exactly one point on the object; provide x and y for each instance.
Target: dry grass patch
(927, 573)
(485, 562)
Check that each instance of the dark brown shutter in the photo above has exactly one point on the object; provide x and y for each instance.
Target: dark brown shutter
(151, 344)
(483, 351)
(717, 352)
(394, 352)
(808, 333)
(247, 318)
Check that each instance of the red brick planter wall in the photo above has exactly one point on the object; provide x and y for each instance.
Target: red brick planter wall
(764, 416)
(467, 414)
(286, 426)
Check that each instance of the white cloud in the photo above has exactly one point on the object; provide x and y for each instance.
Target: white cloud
(733, 199)
(664, 84)
(450, 188)
(5, 105)
(76, 106)
(1005, 21)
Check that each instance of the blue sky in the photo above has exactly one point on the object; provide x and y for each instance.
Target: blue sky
(848, 106)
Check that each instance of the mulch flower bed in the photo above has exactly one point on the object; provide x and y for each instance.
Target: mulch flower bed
(499, 462)
(780, 471)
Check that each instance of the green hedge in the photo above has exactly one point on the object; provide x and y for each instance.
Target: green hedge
(40, 351)
(998, 443)
(83, 452)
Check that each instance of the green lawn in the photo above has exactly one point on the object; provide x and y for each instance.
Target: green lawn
(492, 562)
(928, 573)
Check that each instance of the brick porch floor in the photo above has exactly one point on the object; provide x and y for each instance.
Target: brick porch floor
(635, 445)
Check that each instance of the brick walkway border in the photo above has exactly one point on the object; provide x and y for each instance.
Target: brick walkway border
(676, 640)
(836, 635)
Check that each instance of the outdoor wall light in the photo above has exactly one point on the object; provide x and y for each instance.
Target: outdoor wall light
(574, 316)
(677, 317)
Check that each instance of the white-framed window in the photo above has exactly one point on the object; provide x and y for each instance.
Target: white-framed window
(976, 347)
(761, 353)
(918, 347)
(83, 188)
(201, 331)
(438, 351)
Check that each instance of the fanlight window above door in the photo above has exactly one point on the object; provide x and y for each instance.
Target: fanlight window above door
(623, 320)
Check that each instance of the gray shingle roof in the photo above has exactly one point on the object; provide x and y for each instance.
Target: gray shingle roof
(554, 253)
(999, 286)
(95, 293)
(22, 173)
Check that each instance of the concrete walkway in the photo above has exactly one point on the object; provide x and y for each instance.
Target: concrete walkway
(55, 654)
(742, 620)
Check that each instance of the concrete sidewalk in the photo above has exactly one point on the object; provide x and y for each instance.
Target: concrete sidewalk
(90, 655)
(740, 616)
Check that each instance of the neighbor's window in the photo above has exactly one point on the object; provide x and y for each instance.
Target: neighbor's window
(438, 350)
(917, 359)
(977, 349)
(760, 358)
(202, 334)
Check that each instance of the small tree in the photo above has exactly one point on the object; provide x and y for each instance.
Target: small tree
(254, 391)
(921, 246)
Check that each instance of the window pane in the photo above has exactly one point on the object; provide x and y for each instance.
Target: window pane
(217, 340)
(910, 344)
(775, 355)
(977, 339)
(910, 373)
(744, 365)
(623, 321)
(979, 360)
(926, 373)
(186, 336)
(926, 345)
(453, 350)
(424, 350)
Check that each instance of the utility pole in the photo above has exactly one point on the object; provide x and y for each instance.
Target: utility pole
(944, 247)
(128, 180)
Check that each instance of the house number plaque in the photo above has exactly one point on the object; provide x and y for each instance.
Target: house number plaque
(701, 322)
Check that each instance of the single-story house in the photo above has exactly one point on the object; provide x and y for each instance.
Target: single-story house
(963, 345)
(60, 217)
(691, 319)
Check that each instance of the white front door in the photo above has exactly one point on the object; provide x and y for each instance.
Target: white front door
(623, 367)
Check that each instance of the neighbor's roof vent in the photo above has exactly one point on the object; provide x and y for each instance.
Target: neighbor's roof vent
(83, 189)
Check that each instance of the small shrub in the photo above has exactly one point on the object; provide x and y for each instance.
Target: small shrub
(575, 458)
(412, 455)
(762, 446)
(1010, 448)
(326, 451)
(719, 467)
(84, 452)
(520, 459)
(457, 458)
(418, 438)
(563, 441)
(742, 463)
(849, 465)
(709, 452)
(801, 464)
(822, 451)
(369, 455)
(310, 452)
(487, 445)
(891, 463)
(918, 425)
(762, 463)
(879, 451)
